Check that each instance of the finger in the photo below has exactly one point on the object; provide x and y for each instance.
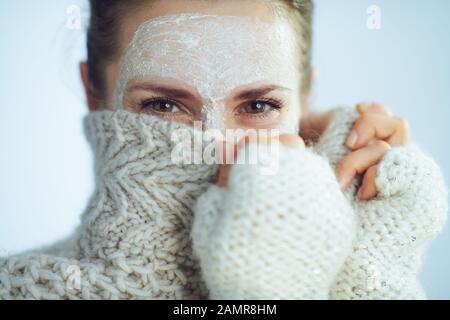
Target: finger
(291, 141)
(226, 152)
(373, 108)
(288, 140)
(359, 161)
(368, 189)
(403, 133)
(252, 137)
(224, 171)
(371, 126)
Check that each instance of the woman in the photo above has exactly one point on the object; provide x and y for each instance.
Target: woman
(158, 66)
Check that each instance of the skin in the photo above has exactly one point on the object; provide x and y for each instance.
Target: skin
(374, 133)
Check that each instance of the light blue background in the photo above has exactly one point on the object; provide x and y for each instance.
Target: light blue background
(45, 163)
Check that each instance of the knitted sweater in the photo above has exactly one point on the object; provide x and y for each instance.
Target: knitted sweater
(155, 229)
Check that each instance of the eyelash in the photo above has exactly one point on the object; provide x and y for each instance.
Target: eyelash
(144, 104)
(276, 104)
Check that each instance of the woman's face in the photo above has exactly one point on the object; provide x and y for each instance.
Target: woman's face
(224, 64)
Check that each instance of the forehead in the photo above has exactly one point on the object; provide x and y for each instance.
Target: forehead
(208, 50)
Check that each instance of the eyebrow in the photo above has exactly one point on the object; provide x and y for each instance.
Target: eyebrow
(166, 91)
(252, 94)
(249, 94)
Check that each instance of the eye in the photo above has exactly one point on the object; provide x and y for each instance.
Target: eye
(260, 106)
(160, 105)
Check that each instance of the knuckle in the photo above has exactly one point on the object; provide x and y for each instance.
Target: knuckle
(387, 109)
(382, 145)
(343, 164)
(403, 123)
(290, 140)
(376, 105)
(372, 172)
(368, 118)
(380, 106)
(287, 137)
(363, 121)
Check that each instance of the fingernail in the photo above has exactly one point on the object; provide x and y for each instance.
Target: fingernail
(360, 107)
(351, 140)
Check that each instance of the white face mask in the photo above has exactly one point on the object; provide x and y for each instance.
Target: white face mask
(215, 55)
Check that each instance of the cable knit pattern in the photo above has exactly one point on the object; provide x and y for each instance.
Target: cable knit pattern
(291, 235)
(134, 238)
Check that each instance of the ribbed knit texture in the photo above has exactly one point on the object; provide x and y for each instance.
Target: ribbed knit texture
(394, 228)
(292, 235)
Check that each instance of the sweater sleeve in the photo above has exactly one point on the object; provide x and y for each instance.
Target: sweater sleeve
(394, 228)
(280, 234)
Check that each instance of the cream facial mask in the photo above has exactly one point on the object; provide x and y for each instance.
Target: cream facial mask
(215, 55)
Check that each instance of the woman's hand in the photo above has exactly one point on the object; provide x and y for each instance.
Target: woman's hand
(231, 151)
(373, 135)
